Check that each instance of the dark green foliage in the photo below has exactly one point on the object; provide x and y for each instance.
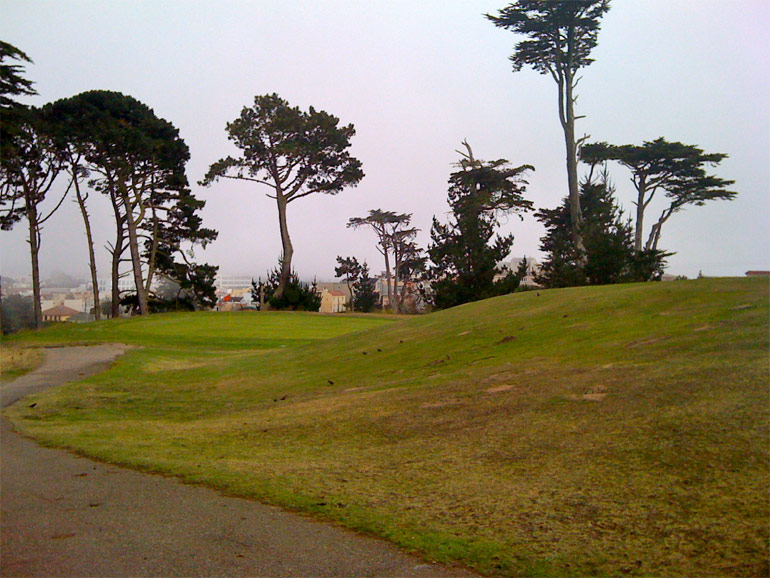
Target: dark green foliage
(258, 292)
(182, 224)
(122, 136)
(138, 160)
(608, 239)
(366, 297)
(463, 253)
(312, 149)
(12, 85)
(295, 153)
(559, 36)
(16, 313)
(297, 296)
(395, 239)
(675, 168)
(157, 304)
(12, 81)
(195, 282)
(350, 269)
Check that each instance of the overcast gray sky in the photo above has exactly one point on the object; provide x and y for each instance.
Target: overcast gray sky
(415, 78)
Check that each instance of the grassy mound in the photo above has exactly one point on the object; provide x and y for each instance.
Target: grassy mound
(589, 431)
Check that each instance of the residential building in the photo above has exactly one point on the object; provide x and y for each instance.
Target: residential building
(333, 301)
(59, 313)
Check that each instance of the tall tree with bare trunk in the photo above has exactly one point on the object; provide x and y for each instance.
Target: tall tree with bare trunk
(28, 164)
(559, 37)
(393, 232)
(28, 169)
(293, 153)
(134, 157)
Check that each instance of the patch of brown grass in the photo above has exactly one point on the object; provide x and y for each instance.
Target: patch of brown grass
(16, 361)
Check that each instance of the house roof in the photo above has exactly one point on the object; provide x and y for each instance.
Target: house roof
(336, 293)
(60, 311)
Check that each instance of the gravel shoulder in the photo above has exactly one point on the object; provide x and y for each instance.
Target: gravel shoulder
(64, 515)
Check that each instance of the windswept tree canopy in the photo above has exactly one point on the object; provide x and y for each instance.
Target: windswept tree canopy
(120, 135)
(559, 34)
(558, 37)
(293, 152)
(677, 169)
(395, 237)
(138, 160)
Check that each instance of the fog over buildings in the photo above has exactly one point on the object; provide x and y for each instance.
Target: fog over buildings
(415, 78)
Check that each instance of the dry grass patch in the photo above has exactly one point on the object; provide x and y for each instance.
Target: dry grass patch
(16, 361)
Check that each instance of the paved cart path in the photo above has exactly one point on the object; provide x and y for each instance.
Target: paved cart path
(63, 515)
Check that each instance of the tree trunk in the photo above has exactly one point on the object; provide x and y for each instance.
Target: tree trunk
(640, 206)
(115, 294)
(34, 248)
(91, 256)
(350, 290)
(396, 266)
(117, 254)
(652, 241)
(136, 258)
(388, 276)
(153, 254)
(118, 248)
(288, 249)
(568, 124)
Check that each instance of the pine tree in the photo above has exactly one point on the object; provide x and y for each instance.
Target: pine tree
(465, 252)
(297, 296)
(608, 238)
(364, 287)
(350, 269)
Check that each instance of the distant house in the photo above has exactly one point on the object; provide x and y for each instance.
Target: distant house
(59, 313)
(757, 273)
(333, 301)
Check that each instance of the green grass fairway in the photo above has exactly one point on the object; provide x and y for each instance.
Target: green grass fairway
(597, 431)
(209, 331)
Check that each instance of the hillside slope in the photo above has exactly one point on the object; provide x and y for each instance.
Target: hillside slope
(582, 431)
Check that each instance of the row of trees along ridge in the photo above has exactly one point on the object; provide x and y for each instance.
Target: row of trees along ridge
(112, 144)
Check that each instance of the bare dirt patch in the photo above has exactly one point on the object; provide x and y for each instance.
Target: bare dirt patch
(499, 388)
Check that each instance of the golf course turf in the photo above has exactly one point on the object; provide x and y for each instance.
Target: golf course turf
(586, 431)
